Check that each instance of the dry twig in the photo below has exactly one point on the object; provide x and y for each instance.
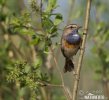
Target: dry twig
(66, 92)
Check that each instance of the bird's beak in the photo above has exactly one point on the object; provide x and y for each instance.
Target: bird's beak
(79, 27)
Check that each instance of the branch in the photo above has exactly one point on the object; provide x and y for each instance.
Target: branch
(41, 13)
(50, 85)
(17, 50)
(66, 92)
(76, 82)
(105, 81)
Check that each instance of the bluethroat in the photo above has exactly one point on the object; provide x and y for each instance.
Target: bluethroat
(70, 44)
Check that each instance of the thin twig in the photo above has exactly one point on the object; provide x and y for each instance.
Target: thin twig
(52, 85)
(57, 65)
(33, 52)
(50, 70)
(41, 13)
(8, 38)
(76, 82)
(105, 82)
(62, 80)
(17, 50)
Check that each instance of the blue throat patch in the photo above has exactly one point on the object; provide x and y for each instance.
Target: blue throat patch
(73, 37)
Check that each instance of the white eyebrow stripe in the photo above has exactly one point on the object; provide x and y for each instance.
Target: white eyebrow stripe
(71, 25)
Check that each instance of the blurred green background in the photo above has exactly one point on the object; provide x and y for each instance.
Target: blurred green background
(25, 56)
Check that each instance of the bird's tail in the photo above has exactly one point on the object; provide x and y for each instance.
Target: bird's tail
(69, 66)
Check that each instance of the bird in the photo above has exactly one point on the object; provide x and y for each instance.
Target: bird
(70, 44)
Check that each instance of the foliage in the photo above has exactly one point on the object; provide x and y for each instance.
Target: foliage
(101, 37)
(27, 75)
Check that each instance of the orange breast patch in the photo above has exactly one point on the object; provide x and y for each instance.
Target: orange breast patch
(67, 45)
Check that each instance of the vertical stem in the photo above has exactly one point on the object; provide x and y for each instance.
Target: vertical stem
(50, 69)
(105, 83)
(62, 80)
(76, 82)
(33, 52)
(43, 89)
(41, 14)
(44, 94)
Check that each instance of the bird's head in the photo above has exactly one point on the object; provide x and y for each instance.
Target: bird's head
(71, 27)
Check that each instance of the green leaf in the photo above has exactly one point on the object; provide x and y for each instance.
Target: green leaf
(35, 41)
(58, 19)
(105, 37)
(15, 21)
(53, 30)
(47, 23)
(40, 33)
(54, 35)
(51, 5)
(26, 31)
(27, 69)
(46, 51)
(38, 62)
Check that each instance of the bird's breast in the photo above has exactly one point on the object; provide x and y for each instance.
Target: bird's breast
(69, 49)
(70, 46)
